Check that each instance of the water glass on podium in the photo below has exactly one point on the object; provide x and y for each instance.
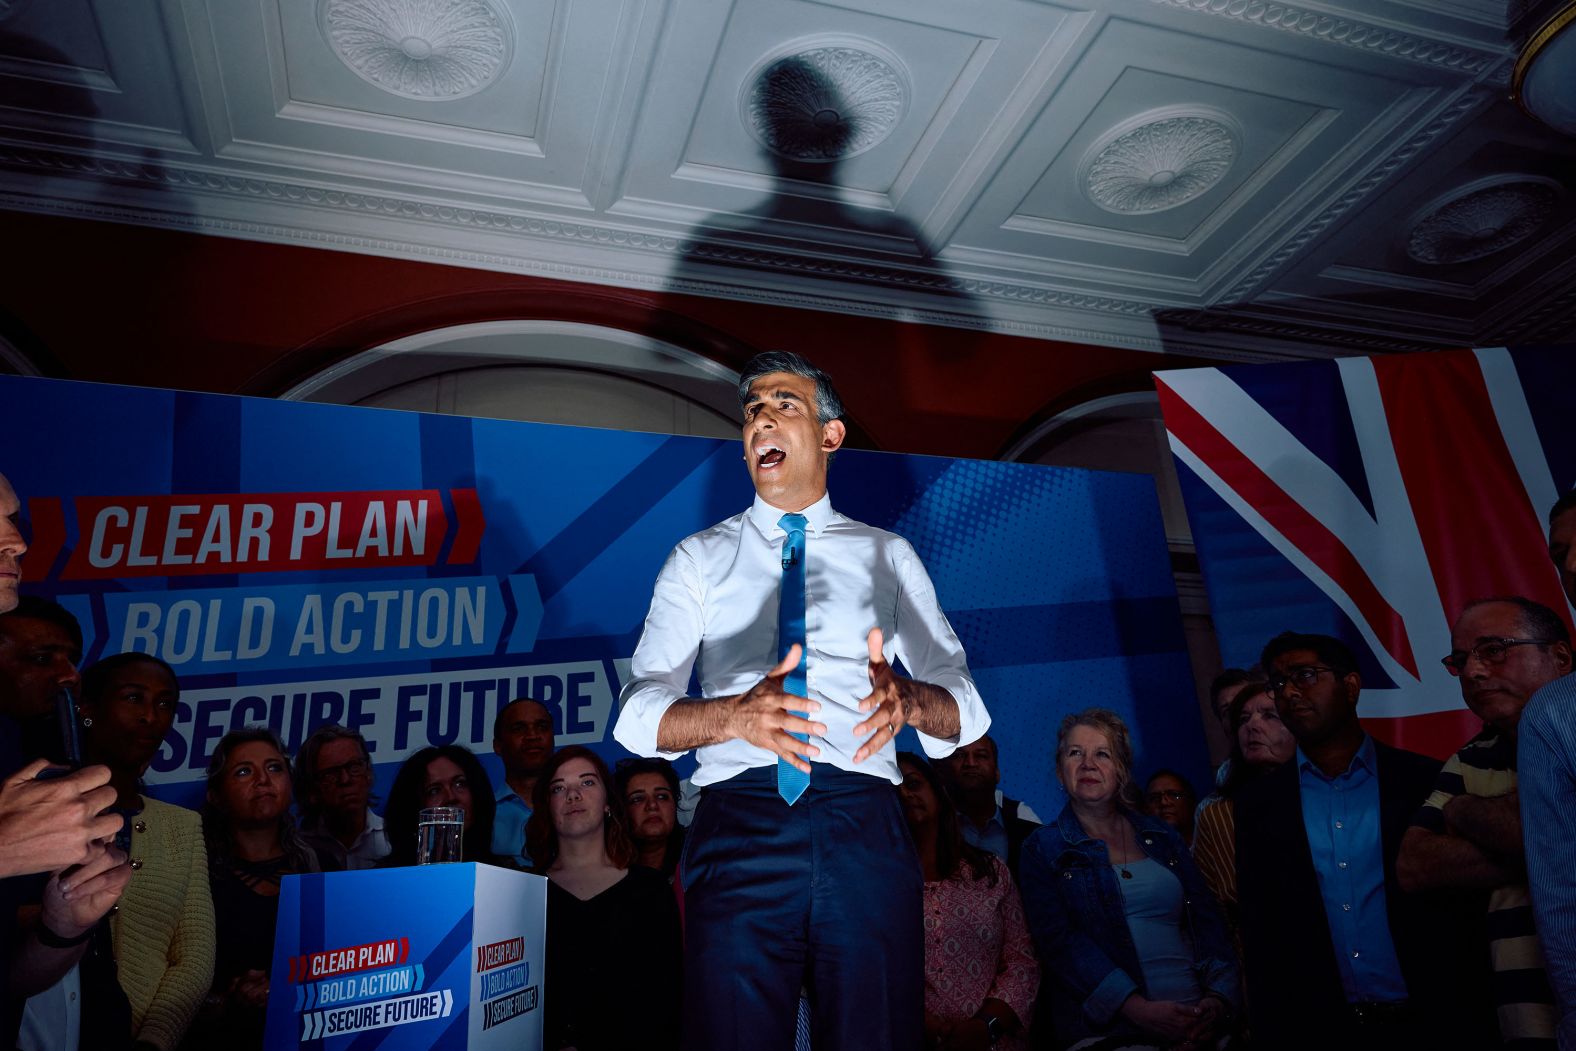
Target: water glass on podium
(439, 832)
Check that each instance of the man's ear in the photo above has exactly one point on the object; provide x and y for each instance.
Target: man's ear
(832, 435)
(1353, 684)
(1562, 656)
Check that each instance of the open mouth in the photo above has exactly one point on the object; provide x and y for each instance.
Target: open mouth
(768, 456)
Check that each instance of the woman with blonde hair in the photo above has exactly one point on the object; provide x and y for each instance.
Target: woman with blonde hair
(1132, 943)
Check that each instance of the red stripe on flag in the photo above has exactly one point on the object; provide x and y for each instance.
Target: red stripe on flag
(1438, 734)
(1482, 535)
(1322, 547)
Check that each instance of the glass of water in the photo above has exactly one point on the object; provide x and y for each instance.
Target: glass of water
(439, 832)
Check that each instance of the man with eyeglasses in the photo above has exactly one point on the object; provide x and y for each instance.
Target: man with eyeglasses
(334, 787)
(1546, 758)
(1335, 954)
(1468, 836)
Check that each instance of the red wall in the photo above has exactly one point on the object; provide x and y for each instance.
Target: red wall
(124, 304)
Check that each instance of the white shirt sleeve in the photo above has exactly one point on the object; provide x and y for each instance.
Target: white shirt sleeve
(932, 652)
(665, 655)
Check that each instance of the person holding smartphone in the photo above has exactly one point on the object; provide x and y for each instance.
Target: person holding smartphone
(55, 832)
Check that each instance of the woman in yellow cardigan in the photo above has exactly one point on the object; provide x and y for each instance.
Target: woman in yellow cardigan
(163, 929)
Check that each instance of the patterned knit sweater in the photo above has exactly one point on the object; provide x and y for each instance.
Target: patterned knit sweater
(163, 927)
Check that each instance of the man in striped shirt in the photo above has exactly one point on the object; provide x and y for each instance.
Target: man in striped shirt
(1468, 833)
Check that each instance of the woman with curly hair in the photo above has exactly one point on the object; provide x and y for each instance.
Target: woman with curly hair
(252, 846)
(442, 775)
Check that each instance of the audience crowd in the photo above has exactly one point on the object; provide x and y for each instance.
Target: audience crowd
(1329, 890)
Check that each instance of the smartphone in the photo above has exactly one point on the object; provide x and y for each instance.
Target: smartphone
(70, 728)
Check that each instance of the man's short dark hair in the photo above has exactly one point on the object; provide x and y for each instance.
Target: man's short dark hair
(828, 406)
(1331, 651)
(1166, 771)
(32, 607)
(1563, 504)
(1537, 620)
(626, 770)
(95, 680)
(498, 719)
(946, 766)
(1225, 681)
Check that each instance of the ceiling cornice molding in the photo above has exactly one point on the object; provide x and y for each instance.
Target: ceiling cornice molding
(1316, 23)
(1081, 322)
(1465, 101)
(1343, 340)
(1548, 319)
(349, 217)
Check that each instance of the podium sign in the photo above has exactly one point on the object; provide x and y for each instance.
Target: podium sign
(436, 956)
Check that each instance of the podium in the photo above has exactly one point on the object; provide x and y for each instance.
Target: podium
(436, 956)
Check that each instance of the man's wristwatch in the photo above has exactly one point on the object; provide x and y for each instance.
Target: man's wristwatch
(59, 941)
(992, 1025)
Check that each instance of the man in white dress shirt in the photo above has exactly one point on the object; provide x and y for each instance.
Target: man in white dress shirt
(789, 885)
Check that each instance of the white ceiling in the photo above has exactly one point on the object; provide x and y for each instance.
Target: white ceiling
(1236, 177)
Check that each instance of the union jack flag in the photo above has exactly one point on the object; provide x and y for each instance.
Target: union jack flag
(1372, 499)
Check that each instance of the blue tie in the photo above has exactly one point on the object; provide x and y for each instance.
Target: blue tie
(791, 781)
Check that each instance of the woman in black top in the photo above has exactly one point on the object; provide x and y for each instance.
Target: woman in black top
(609, 925)
(252, 845)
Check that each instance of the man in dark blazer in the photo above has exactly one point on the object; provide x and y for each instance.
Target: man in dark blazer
(989, 820)
(1335, 953)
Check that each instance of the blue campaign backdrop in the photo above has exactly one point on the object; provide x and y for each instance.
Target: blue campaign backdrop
(1056, 579)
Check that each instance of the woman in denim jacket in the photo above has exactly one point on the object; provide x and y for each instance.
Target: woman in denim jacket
(1131, 942)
